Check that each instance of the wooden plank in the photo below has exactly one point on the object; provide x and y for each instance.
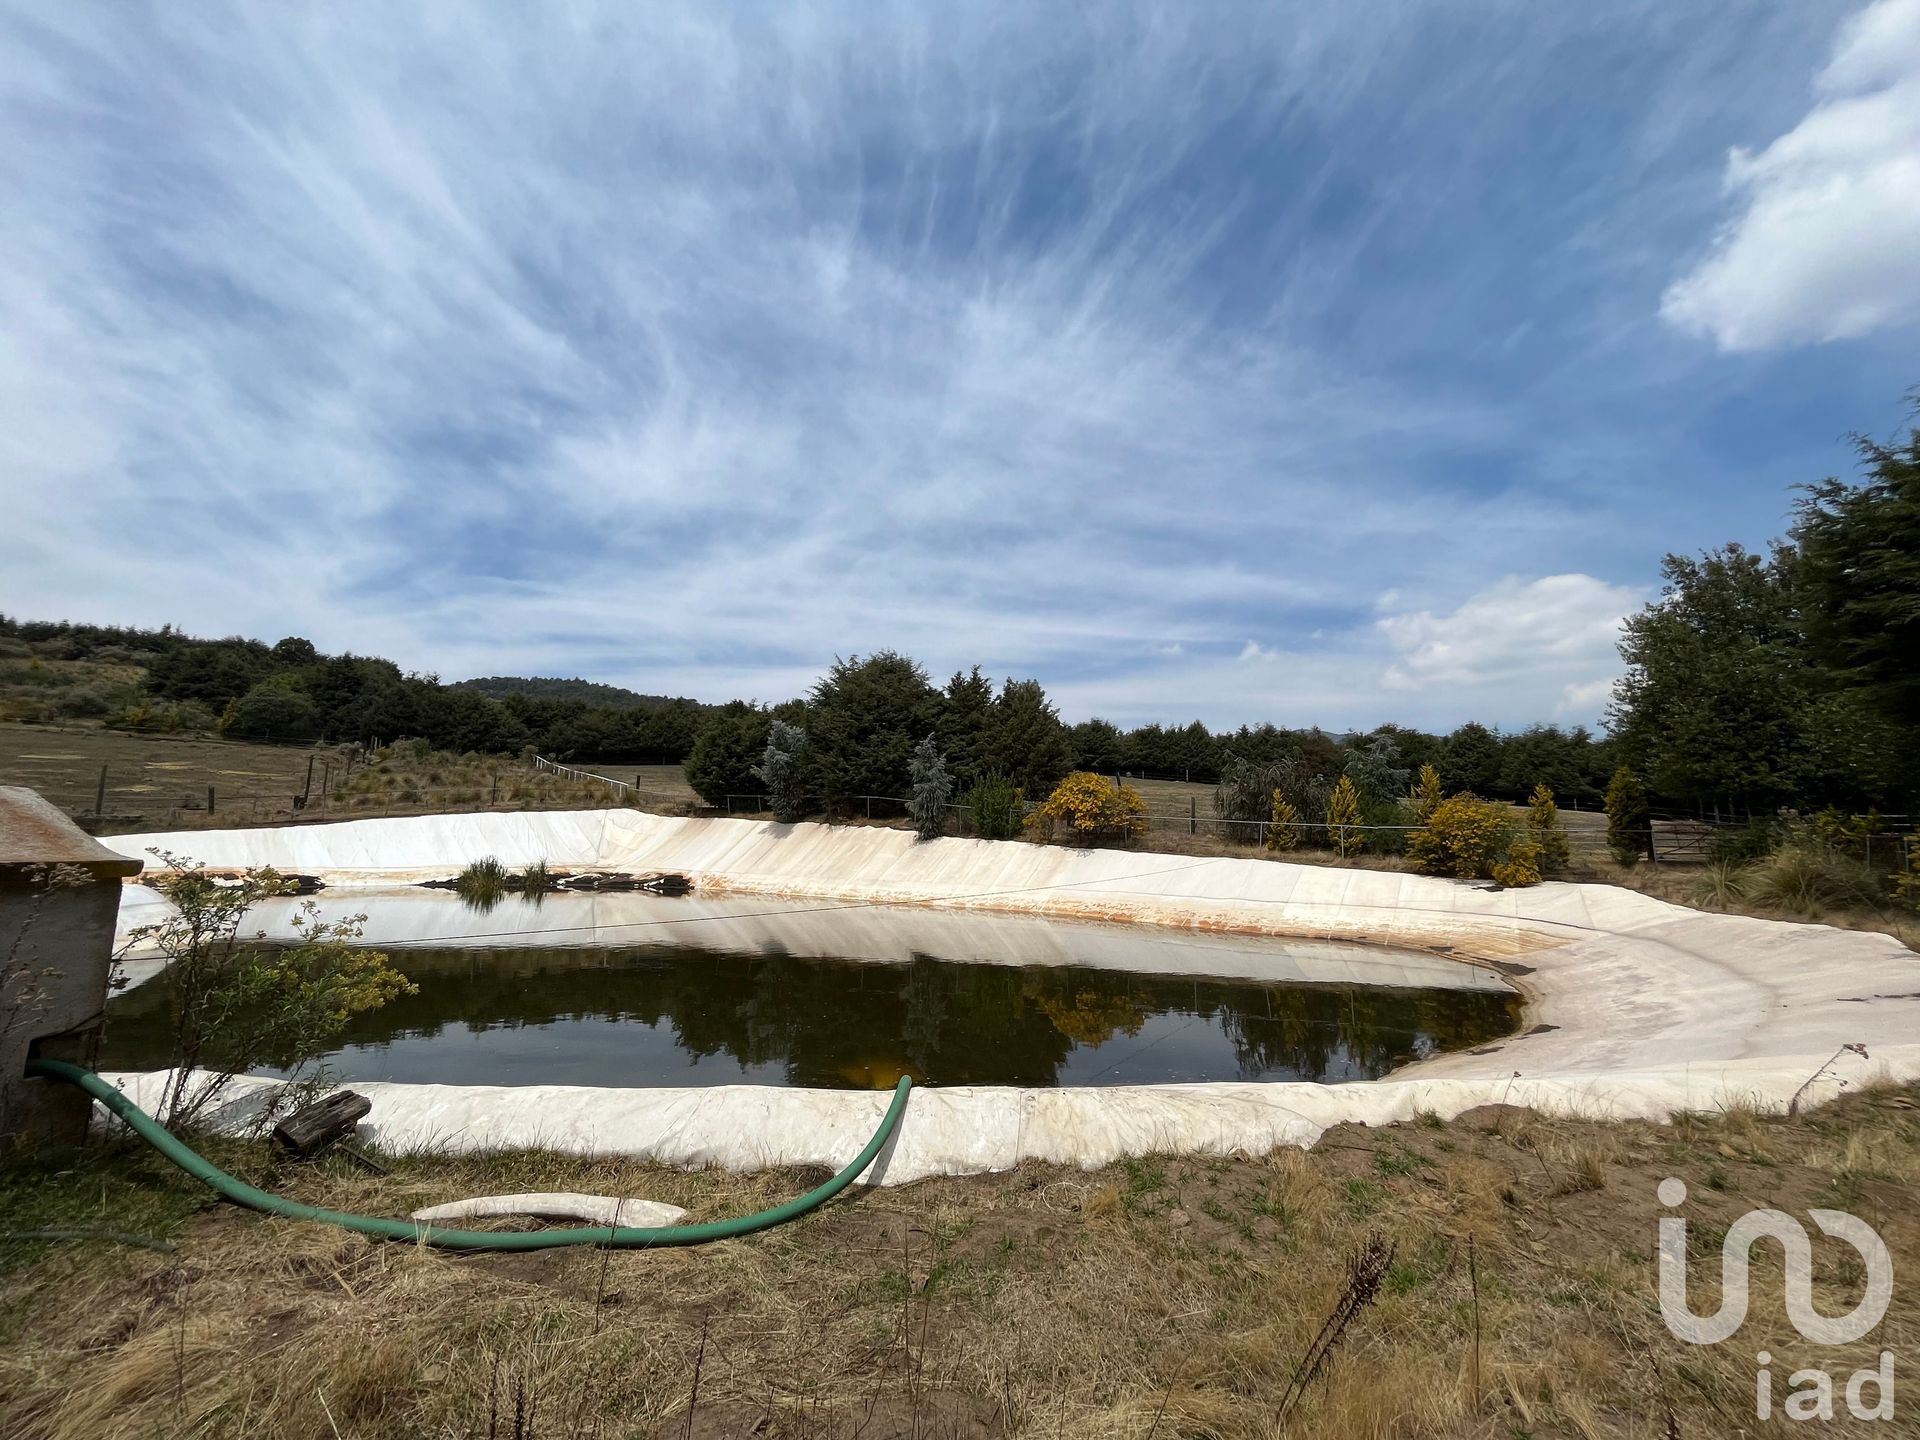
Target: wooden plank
(316, 1126)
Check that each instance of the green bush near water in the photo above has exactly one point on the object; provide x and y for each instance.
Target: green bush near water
(996, 808)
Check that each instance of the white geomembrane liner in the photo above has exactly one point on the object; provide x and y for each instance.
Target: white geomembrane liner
(1634, 1007)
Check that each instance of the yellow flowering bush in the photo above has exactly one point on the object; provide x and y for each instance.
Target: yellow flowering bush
(1092, 807)
(1521, 867)
(1465, 836)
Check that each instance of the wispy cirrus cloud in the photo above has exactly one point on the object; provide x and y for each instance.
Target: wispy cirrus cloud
(687, 348)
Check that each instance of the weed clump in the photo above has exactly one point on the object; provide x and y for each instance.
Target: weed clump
(483, 884)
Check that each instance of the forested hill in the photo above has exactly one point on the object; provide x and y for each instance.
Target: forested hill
(587, 692)
(165, 680)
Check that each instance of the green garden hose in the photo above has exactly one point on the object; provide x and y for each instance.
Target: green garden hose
(617, 1236)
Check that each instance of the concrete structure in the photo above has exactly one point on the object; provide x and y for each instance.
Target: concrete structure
(59, 897)
(1634, 1007)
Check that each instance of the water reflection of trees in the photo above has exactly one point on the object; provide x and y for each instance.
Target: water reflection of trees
(836, 1023)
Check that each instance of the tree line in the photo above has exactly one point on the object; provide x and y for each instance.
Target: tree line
(1789, 678)
(1757, 681)
(853, 735)
(862, 721)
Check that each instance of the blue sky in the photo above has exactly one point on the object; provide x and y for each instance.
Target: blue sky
(1314, 363)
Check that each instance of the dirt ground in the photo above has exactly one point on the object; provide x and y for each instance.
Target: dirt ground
(1161, 1297)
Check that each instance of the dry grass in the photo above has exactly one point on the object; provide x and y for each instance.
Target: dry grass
(149, 776)
(1696, 886)
(159, 782)
(663, 789)
(1160, 1297)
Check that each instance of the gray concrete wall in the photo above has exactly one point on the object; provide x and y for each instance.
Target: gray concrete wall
(56, 944)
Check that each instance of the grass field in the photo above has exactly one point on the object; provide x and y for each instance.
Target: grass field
(1157, 1298)
(160, 782)
(660, 788)
(150, 776)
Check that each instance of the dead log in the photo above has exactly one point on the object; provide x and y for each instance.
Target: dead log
(313, 1127)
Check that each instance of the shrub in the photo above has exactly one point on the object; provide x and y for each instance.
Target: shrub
(1906, 886)
(1545, 833)
(996, 807)
(83, 702)
(1384, 819)
(1374, 768)
(932, 788)
(1343, 813)
(1849, 834)
(236, 1007)
(1283, 829)
(1752, 841)
(1521, 866)
(1246, 790)
(1629, 822)
(1465, 837)
(482, 884)
(1426, 796)
(1721, 884)
(534, 879)
(140, 715)
(1093, 808)
(274, 710)
(144, 715)
(1810, 879)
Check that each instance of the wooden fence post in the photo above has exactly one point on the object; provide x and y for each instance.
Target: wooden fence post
(209, 799)
(100, 793)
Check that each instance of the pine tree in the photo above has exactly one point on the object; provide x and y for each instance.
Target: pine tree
(1283, 831)
(1629, 824)
(779, 770)
(1427, 796)
(932, 789)
(1543, 829)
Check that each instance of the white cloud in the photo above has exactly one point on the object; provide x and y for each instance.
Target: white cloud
(1585, 699)
(1555, 632)
(1826, 244)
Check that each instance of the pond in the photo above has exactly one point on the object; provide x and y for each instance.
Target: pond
(637, 991)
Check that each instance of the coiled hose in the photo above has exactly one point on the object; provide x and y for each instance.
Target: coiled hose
(624, 1237)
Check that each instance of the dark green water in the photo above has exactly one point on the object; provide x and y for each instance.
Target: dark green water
(678, 1016)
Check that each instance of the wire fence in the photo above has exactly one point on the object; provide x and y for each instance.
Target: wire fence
(119, 797)
(1674, 837)
(553, 767)
(1677, 836)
